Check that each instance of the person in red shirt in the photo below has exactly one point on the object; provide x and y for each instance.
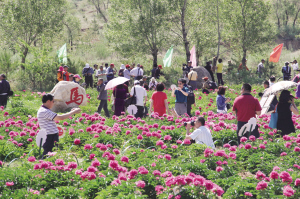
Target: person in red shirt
(246, 107)
(159, 101)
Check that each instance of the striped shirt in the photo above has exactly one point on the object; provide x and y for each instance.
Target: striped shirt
(202, 135)
(45, 118)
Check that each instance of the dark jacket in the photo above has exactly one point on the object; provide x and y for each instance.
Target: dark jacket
(4, 86)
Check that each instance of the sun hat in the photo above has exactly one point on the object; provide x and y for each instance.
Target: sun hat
(66, 66)
(122, 66)
(136, 82)
(77, 76)
(61, 69)
(205, 78)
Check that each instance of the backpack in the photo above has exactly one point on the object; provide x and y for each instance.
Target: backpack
(296, 79)
(191, 96)
(212, 85)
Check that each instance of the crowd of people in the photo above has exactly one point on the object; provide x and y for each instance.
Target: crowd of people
(244, 107)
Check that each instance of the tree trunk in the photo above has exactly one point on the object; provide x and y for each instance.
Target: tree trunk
(25, 52)
(287, 17)
(198, 54)
(219, 33)
(184, 32)
(296, 17)
(244, 57)
(154, 55)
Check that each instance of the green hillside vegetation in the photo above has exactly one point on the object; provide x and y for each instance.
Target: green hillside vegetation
(141, 31)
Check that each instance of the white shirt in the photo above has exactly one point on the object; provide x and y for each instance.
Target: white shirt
(202, 135)
(127, 73)
(140, 93)
(152, 84)
(295, 66)
(98, 74)
(45, 118)
(137, 71)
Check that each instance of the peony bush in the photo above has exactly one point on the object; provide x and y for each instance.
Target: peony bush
(127, 157)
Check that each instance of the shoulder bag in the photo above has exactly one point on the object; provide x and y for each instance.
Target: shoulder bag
(130, 100)
(274, 119)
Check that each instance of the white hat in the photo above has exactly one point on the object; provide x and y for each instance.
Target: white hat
(122, 66)
(87, 65)
(136, 82)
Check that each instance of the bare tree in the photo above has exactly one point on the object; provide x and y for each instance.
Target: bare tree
(100, 10)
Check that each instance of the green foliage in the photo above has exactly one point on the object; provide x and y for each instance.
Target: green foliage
(30, 20)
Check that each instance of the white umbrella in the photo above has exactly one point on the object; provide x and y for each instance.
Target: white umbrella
(115, 82)
(279, 86)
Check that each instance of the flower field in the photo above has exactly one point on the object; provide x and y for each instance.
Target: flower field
(124, 157)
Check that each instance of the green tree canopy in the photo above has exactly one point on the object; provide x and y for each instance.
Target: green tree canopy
(29, 20)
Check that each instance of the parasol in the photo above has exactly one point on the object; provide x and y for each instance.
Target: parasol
(115, 82)
(279, 86)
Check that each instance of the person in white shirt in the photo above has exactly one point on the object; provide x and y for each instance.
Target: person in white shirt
(140, 93)
(47, 118)
(201, 135)
(127, 72)
(295, 66)
(272, 80)
(137, 72)
(101, 74)
(152, 84)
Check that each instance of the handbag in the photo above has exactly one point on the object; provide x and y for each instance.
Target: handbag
(130, 100)
(274, 119)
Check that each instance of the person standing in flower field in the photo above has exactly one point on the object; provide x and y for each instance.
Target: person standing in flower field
(102, 97)
(101, 73)
(246, 107)
(140, 94)
(110, 72)
(181, 94)
(260, 68)
(66, 73)
(219, 72)
(47, 118)
(88, 72)
(4, 90)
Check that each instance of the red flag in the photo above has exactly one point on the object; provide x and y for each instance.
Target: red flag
(275, 55)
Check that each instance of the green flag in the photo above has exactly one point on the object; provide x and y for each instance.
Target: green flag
(62, 54)
(168, 57)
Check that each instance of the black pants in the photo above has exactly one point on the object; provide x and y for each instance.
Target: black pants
(240, 125)
(89, 81)
(188, 107)
(220, 79)
(140, 111)
(103, 104)
(3, 100)
(49, 144)
(212, 76)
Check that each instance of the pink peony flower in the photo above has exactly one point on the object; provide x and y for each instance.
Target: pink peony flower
(248, 194)
(92, 156)
(261, 185)
(167, 137)
(95, 163)
(218, 169)
(260, 175)
(113, 164)
(140, 184)
(143, 170)
(139, 137)
(288, 191)
(125, 159)
(248, 146)
(159, 143)
(186, 141)
(296, 149)
(59, 162)
(174, 146)
(243, 139)
(116, 151)
(9, 184)
(274, 175)
(77, 141)
(31, 159)
(168, 157)
(88, 147)
(297, 182)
